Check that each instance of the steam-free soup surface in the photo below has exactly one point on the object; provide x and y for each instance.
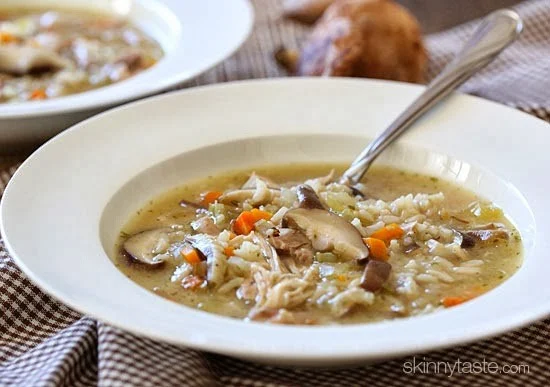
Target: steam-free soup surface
(429, 245)
(48, 53)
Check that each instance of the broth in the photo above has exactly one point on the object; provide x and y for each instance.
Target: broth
(435, 281)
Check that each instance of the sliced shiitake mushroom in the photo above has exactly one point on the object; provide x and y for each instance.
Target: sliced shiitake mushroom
(328, 232)
(469, 238)
(375, 275)
(307, 198)
(146, 246)
(20, 60)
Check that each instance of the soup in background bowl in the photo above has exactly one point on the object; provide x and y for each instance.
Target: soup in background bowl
(48, 53)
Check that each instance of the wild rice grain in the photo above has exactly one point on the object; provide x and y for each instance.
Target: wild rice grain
(467, 270)
(426, 278)
(444, 262)
(472, 263)
(441, 275)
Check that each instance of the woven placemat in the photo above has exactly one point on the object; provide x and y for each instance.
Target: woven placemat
(44, 343)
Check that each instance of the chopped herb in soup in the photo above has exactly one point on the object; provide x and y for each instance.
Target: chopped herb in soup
(291, 245)
(47, 54)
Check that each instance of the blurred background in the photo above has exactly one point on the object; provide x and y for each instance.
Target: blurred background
(436, 15)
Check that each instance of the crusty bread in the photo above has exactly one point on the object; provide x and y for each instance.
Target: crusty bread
(365, 38)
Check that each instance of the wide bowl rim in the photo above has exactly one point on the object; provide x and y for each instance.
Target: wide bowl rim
(532, 313)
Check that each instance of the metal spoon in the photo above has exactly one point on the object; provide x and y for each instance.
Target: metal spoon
(495, 33)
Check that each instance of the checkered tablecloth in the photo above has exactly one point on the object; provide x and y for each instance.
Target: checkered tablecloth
(44, 343)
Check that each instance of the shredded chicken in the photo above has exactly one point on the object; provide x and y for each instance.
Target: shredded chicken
(344, 301)
(254, 179)
(270, 253)
(293, 243)
(205, 225)
(278, 291)
(258, 196)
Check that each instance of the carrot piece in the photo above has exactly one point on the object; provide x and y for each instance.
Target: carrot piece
(455, 300)
(6, 37)
(191, 255)
(377, 248)
(244, 223)
(210, 197)
(259, 214)
(391, 231)
(228, 251)
(246, 220)
(467, 296)
(38, 94)
(341, 277)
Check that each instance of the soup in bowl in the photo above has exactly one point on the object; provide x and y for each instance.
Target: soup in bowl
(292, 245)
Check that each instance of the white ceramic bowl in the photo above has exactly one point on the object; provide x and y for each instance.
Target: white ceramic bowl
(195, 36)
(64, 207)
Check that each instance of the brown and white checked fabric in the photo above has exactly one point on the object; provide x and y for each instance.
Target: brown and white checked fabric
(44, 343)
(520, 76)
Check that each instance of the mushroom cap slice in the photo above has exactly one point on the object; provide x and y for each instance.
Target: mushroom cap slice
(21, 60)
(307, 198)
(375, 274)
(328, 232)
(486, 233)
(145, 246)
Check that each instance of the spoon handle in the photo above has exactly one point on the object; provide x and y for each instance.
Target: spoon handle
(495, 33)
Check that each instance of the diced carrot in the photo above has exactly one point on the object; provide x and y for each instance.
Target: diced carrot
(246, 220)
(377, 248)
(228, 251)
(6, 37)
(391, 231)
(38, 94)
(466, 296)
(244, 223)
(210, 197)
(455, 300)
(191, 255)
(259, 214)
(341, 277)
